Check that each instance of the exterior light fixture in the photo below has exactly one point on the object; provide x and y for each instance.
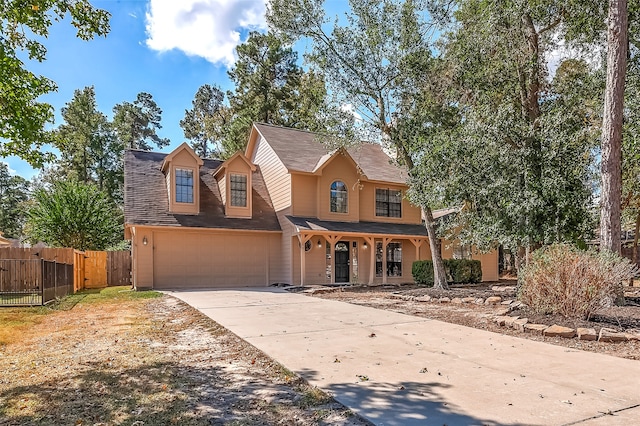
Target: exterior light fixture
(319, 244)
(144, 240)
(364, 246)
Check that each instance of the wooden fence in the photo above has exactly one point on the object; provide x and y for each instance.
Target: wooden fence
(34, 281)
(92, 269)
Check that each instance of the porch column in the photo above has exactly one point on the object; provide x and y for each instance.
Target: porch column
(303, 238)
(385, 242)
(333, 239)
(372, 263)
(417, 242)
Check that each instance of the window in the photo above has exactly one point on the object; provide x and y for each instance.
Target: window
(238, 190)
(388, 203)
(394, 259)
(184, 186)
(338, 197)
(462, 251)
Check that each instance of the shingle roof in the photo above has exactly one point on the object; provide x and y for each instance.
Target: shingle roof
(146, 200)
(313, 224)
(303, 151)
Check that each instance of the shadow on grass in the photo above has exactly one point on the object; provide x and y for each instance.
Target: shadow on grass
(404, 404)
(156, 394)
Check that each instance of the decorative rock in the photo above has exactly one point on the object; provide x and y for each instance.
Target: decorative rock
(479, 301)
(423, 299)
(633, 335)
(503, 311)
(507, 302)
(501, 320)
(493, 300)
(510, 321)
(516, 304)
(609, 335)
(503, 288)
(456, 300)
(444, 300)
(468, 299)
(519, 324)
(587, 333)
(535, 328)
(559, 331)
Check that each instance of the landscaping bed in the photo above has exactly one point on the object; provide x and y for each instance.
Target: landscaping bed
(468, 305)
(137, 358)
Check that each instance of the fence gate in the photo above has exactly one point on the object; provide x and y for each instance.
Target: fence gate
(95, 265)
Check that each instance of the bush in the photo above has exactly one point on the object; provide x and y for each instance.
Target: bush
(563, 280)
(459, 271)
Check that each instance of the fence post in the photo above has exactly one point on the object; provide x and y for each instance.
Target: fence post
(42, 282)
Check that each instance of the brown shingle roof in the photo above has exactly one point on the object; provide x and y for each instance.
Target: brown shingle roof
(302, 151)
(146, 200)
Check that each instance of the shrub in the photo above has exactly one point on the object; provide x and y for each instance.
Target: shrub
(458, 271)
(563, 280)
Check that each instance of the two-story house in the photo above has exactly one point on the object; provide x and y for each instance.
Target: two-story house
(284, 211)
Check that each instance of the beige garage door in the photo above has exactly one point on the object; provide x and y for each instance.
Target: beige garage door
(192, 260)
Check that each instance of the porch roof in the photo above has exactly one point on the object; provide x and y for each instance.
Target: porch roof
(303, 224)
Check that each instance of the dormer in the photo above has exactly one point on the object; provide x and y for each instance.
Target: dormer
(181, 169)
(234, 178)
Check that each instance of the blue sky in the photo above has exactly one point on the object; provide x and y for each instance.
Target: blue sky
(168, 48)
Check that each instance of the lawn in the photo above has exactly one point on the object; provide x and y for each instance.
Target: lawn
(120, 357)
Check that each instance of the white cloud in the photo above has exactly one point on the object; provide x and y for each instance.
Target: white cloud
(11, 171)
(206, 28)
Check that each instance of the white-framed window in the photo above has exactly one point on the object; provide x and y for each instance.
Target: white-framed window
(339, 197)
(388, 202)
(184, 186)
(238, 185)
(394, 259)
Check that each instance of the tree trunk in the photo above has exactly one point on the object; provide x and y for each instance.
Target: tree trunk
(612, 126)
(634, 247)
(439, 273)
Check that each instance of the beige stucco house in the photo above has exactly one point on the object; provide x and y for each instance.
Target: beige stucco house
(284, 211)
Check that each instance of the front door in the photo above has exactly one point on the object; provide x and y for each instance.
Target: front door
(342, 262)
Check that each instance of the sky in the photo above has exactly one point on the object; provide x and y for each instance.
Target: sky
(168, 48)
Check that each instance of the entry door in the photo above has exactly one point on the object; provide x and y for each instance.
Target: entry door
(342, 262)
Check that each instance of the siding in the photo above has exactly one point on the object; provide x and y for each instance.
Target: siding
(278, 182)
(304, 196)
(410, 213)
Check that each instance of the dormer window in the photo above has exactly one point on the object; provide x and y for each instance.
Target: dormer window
(338, 197)
(238, 190)
(184, 186)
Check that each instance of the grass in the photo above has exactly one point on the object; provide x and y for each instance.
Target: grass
(15, 321)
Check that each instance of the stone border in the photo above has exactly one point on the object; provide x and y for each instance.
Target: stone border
(524, 326)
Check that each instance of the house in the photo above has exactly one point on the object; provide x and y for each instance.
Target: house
(284, 211)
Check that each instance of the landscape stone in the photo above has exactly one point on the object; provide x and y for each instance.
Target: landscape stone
(510, 321)
(503, 311)
(520, 323)
(479, 301)
(468, 299)
(456, 300)
(587, 333)
(516, 304)
(559, 331)
(507, 302)
(609, 335)
(423, 299)
(501, 320)
(535, 328)
(493, 300)
(444, 300)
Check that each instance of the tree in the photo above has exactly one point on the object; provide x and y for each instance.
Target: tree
(87, 145)
(375, 62)
(205, 122)
(14, 192)
(136, 124)
(22, 117)
(74, 214)
(271, 88)
(610, 201)
(524, 150)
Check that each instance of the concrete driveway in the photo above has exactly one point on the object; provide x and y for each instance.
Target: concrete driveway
(396, 369)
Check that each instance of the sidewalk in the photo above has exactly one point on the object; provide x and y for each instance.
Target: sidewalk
(395, 369)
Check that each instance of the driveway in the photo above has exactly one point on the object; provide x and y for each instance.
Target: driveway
(396, 369)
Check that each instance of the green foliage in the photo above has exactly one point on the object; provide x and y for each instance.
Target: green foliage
(204, 124)
(24, 24)
(136, 124)
(74, 214)
(14, 192)
(458, 271)
(563, 280)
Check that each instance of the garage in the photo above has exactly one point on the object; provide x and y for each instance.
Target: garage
(207, 260)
